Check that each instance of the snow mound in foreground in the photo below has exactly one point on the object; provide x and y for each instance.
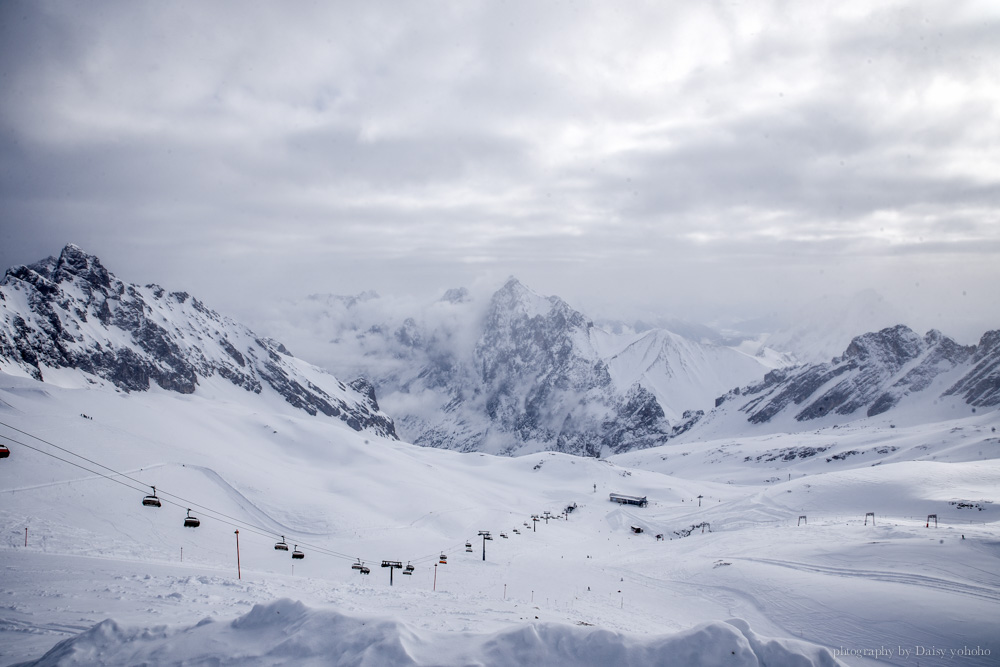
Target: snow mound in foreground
(286, 632)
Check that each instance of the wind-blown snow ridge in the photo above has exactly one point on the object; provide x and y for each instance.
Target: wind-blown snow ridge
(285, 632)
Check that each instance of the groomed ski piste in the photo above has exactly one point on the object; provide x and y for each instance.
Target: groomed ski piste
(768, 553)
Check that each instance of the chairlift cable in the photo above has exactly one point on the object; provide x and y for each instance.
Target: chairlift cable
(212, 513)
(101, 465)
(118, 481)
(73, 463)
(79, 456)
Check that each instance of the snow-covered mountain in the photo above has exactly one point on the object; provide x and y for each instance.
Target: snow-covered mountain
(894, 372)
(768, 553)
(759, 548)
(543, 382)
(69, 321)
(679, 371)
(515, 372)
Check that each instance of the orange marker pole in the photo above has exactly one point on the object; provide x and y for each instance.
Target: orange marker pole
(239, 575)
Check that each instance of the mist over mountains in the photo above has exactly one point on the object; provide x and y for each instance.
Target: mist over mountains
(427, 362)
(761, 477)
(512, 372)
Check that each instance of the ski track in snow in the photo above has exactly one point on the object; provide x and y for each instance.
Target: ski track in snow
(248, 506)
(88, 478)
(948, 586)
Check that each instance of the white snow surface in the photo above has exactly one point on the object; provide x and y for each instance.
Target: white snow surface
(739, 578)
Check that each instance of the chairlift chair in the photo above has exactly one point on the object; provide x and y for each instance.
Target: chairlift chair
(190, 521)
(358, 565)
(488, 537)
(503, 535)
(296, 553)
(364, 570)
(151, 501)
(468, 547)
(4, 452)
(282, 545)
(443, 560)
(409, 569)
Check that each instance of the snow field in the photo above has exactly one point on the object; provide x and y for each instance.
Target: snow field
(574, 589)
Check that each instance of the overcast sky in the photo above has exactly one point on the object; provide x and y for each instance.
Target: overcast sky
(695, 159)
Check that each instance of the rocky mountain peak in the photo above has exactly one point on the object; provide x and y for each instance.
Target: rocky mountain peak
(515, 296)
(70, 312)
(893, 345)
(544, 382)
(73, 263)
(514, 301)
(989, 346)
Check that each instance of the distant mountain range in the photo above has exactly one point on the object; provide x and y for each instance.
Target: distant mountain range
(510, 373)
(514, 372)
(67, 319)
(892, 371)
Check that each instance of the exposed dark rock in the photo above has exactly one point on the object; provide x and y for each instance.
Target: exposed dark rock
(233, 352)
(876, 371)
(366, 389)
(980, 387)
(786, 454)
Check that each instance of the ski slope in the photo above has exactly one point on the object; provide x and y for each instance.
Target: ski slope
(119, 583)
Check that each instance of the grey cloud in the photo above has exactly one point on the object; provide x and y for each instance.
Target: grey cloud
(694, 151)
(809, 161)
